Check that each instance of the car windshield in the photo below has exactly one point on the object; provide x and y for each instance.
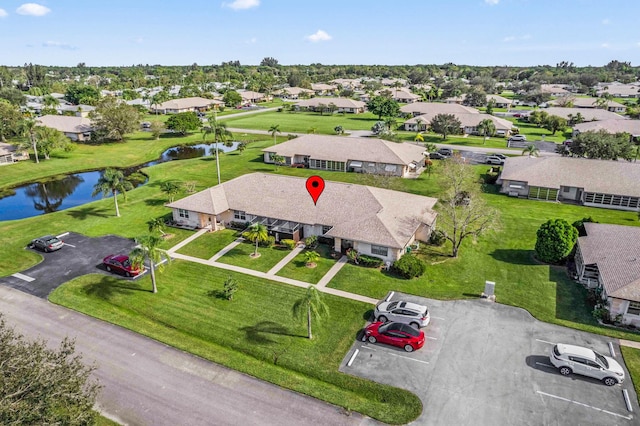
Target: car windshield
(392, 305)
(601, 360)
(384, 327)
(52, 240)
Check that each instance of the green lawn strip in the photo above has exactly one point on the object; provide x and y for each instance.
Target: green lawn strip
(632, 361)
(240, 256)
(301, 122)
(103, 421)
(254, 333)
(297, 269)
(205, 246)
(535, 133)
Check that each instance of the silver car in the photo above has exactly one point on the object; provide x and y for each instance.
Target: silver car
(47, 243)
(405, 312)
(586, 362)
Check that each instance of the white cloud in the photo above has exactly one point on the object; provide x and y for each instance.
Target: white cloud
(64, 46)
(318, 36)
(33, 9)
(606, 21)
(252, 40)
(3, 13)
(492, 2)
(242, 4)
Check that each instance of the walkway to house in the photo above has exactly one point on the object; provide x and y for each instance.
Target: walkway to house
(270, 275)
(187, 241)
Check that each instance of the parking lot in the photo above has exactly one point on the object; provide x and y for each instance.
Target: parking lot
(80, 255)
(488, 364)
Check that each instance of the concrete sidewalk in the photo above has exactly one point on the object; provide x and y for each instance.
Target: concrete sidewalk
(187, 241)
(288, 258)
(332, 272)
(226, 250)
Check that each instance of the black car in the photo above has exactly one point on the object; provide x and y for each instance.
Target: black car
(436, 156)
(47, 243)
(445, 152)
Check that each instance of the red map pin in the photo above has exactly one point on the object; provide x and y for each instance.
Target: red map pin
(315, 186)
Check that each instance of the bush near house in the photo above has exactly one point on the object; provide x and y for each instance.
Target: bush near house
(289, 244)
(556, 238)
(409, 266)
(370, 261)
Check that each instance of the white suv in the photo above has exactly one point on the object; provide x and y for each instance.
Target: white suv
(405, 312)
(518, 138)
(576, 359)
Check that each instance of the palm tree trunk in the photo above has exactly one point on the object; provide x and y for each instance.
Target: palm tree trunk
(115, 200)
(255, 253)
(35, 148)
(153, 276)
(217, 161)
(309, 321)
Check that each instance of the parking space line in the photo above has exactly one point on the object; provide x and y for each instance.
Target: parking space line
(544, 365)
(584, 405)
(23, 277)
(432, 338)
(613, 352)
(627, 401)
(438, 318)
(70, 245)
(391, 353)
(544, 341)
(62, 235)
(355, 354)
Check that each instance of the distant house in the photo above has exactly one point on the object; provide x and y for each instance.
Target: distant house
(360, 155)
(293, 93)
(501, 102)
(589, 114)
(75, 128)
(468, 121)
(593, 183)
(77, 110)
(619, 90)
(322, 89)
(420, 108)
(341, 105)
(193, 104)
(373, 221)
(251, 97)
(612, 106)
(553, 89)
(10, 154)
(608, 258)
(347, 83)
(612, 126)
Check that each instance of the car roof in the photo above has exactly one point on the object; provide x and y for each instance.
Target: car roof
(576, 350)
(404, 327)
(412, 306)
(119, 257)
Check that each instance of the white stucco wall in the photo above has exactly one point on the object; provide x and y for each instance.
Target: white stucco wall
(193, 219)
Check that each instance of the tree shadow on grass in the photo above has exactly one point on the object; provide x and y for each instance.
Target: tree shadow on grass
(515, 256)
(108, 287)
(259, 333)
(84, 212)
(571, 297)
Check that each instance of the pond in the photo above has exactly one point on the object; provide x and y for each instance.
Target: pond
(74, 190)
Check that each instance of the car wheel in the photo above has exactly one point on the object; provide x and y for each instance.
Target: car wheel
(372, 339)
(408, 348)
(382, 318)
(609, 381)
(565, 371)
(415, 325)
(108, 268)
(127, 274)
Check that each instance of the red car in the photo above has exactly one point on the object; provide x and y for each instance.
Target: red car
(396, 334)
(122, 264)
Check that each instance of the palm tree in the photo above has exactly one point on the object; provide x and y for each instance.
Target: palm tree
(149, 249)
(28, 129)
(486, 128)
(532, 150)
(311, 257)
(111, 182)
(171, 188)
(157, 224)
(256, 233)
(310, 304)
(220, 133)
(273, 130)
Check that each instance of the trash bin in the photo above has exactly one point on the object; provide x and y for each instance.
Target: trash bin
(408, 249)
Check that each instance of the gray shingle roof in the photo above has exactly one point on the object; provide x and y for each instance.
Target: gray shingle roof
(615, 249)
(183, 103)
(338, 148)
(612, 126)
(437, 108)
(65, 123)
(339, 102)
(608, 177)
(589, 114)
(356, 212)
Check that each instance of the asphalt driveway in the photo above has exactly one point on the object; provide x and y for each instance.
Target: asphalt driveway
(488, 364)
(80, 255)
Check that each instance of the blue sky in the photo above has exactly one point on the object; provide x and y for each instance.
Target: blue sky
(169, 32)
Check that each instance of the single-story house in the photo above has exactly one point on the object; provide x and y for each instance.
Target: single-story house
(251, 97)
(619, 90)
(594, 183)
(9, 154)
(293, 93)
(419, 108)
(612, 106)
(553, 89)
(469, 123)
(608, 258)
(347, 83)
(612, 126)
(175, 106)
(589, 114)
(323, 89)
(77, 110)
(402, 95)
(500, 101)
(341, 104)
(360, 155)
(374, 221)
(75, 128)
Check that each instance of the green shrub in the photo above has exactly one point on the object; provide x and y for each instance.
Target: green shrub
(555, 241)
(311, 241)
(437, 238)
(353, 256)
(271, 240)
(370, 261)
(230, 286)
(409, 266)
(290, 244)
(579, 225)
(238, 225)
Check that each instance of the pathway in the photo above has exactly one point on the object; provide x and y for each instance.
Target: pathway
(187, 241)
(226, 250)
(288, 258)
(332, 272)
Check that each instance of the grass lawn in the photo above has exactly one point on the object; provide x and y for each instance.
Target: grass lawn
(206, 245)
(103, 421)
(187, 314)
(301, 122)
(298, 270)
(632, 360)
(240, 256)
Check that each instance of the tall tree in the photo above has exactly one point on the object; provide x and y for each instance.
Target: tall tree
(28, 128)
(148, 250)
(602, 145)
(111, 182)
(13, 95)
(273, 130)
(486, 128)
(220, 135)
(232, 98)
(462, 211)
(531, 150)
(184, 122)
(42, 385)
(81, 94)
(553, 123)
(310, 306)
(383, 106)
(50, 139)
(10, 118)
(257, 233)
(445, 124)
(115, 119)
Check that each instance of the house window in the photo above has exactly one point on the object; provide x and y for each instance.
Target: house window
(183, 213)
(566, 189)
(634, 308)
(379, 250)
(239, 215)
